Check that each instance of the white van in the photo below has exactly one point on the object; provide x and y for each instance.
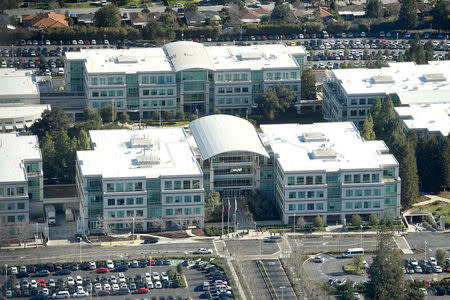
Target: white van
(206, 286)
(61, 72)
(353, 252)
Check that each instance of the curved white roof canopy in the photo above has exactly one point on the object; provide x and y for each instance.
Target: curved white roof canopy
(188, 55)
(217, 134)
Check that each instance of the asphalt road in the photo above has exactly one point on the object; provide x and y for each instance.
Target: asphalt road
(332, 243)
(92, 252)
(279, 280)
(434, 240)
(251, 247)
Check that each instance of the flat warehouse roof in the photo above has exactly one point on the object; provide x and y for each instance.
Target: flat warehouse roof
(120, 153)
(14, 149)
(339, 147)
(433, 117)
(11, 112)
(17, 83)
(179, 56)
(397, 77)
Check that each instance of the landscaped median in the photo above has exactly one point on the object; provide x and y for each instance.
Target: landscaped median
(352, 268)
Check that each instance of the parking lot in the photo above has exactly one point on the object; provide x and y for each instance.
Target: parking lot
(139, 276)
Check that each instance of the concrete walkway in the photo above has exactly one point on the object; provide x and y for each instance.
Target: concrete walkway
(431, 200)
(403, 245)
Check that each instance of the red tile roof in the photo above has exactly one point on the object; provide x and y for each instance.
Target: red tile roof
(45, 20)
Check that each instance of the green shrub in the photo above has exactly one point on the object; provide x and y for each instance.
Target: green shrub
(352, 268)
(180, 268)
(216, 231)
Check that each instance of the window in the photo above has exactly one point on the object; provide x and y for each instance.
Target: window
(362, 101)
(389, 173)
(186, 184)
(318, 180)
(139, 213)
(309, 180)
(119, 187)
(367, 204)
(301, 195)
(169, 91)
(169, 199)
(220, 77)
(319, 194)
(20, 190)
(21, 205)
(319, 206)
(146, 92)
(169, 211)
(367, 193)
(20, 218)
(120, 214)
(120, 201)
(293, 75)
(237, 89)
(188, 211)
(236, 77)
(130, 213)
(358, 204)
(102, 81)
(310, 206)
(347, 178)
(103, 93)
(353, 113)
(110, 187)
(376, 204)
(196, 184)
(357, 178)
(358, 193)
(111, 202)
(348, 205)
(11, 206)
(162, 91)
(11, 219)
(94, 81)
(349, 193)
(300, 180)
(178, 199)
(129, 186)
(245, 89)
(119, 93)
(291, 180)
(269, 76)
(110, 80)
(160, 79)
(197, 210)
(177, 184)
(111, 93)
(375, 177)
(366, 178)
(154, 92)
(169, 79)
(301, 206)
(292, 195)
(178, 211)
(291, 207)
(229, 90)
(285, 75)
(227, 77)
(138, 186)
(187, 199)
(277, 75)
(376, 192)
(168, 185)
(139, 201)
(145, 79)
(197, 198)
(119, 80)
(130, 201)
(310, 194)
(244, 77)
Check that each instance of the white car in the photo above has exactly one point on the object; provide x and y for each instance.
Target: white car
(424, 291)
(413, 262)
(98, 287)
(164, 276)
(418, 269)
(70, 281)
(155, 276)
(79, 280)
(80, 294)
(203, 251)
(61, 295)
(437, 269)
(148, 276)
(45, 291)
(150, 284)
(433, 261)
(158, 285)
(318, 259)
(92, 265)
(122, 278)
(115, 287)
(13, 271)
(113, 279)
(365, 264)
(107, 287)
(51, 282)
(89, 287)
(33, 284)
(110, 264)
(23, 269)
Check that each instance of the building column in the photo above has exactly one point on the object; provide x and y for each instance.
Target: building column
(211, 175)
(324, 217)
(342, 218)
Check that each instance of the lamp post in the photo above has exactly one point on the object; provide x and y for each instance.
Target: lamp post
(133, 231)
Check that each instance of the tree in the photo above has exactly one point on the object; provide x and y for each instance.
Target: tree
(109, 113)
(281, 12)
(191, 6)
(356, 220)
(429, 162)
(416, 52)
(179, 115)
(213, 206)
(445, 162)
(49, 161)
(65, 156)
(105, 225)
(408, 174)
(429, 51)
(124, 117)
(318, 222)
(92, 114)
(440, 15)
(108, 16)
(9, 4)
(156, 115)
(374, 9)
(180, 268)
(407, 17)
(52, 121)
(367, 132)
(23, 231)
(440, 256)
(386, 273)
(385, 118)
(374, 220)
(276, 100)
(168, 115)
(308, 91)
(375, 112)
(358, 261)
(83, 140)
(400, 58)
(347, 291)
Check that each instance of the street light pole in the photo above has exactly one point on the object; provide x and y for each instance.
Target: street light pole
(282, 292)
(133, 230)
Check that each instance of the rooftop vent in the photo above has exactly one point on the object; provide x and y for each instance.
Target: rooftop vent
(382, 79)
(314, 137)
(433, 77)
(146, 161)
(249, 56)
(324, 154)
(139, 142)
(126, 60)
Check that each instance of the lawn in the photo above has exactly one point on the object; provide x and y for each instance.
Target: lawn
(184, 2)
(167, 123)
(81, 5)
(38, 5)
(438, 208)
(445, 194)
(138, 3)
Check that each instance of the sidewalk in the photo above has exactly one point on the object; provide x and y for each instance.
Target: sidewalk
(432, 199)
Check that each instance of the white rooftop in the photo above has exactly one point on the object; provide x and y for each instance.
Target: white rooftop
(435, 118)
(424, 96)
(397, 77)
(17, 82)
(14, 149)
(23, 111)
(184, 55)
(324, 147)
(217, 134)
(148, 153)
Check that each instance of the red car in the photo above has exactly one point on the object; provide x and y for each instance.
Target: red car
(42, 282)
(152, 262)
(142, 291)
(101, 270)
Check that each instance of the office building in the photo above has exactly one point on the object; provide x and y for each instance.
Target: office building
(327, 169)
(348, 94)
(21, 181)
(148, 178)
(183, 75)
(20, 117)
(426, 119)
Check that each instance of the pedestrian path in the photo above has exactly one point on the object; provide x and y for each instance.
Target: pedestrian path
(403, 245)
